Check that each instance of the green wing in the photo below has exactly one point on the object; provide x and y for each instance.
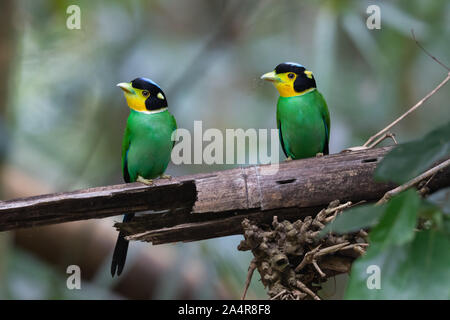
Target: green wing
(174, 126)
(283, 146)
(125, 147)
(326, 120)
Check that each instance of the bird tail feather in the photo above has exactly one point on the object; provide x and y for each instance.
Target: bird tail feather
(121, 249)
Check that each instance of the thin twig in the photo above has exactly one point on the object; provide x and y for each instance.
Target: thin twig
(352, 246)
(308, 258)
(340, 207)
(278, 294)
(382, 138)
(429, 54)
(428, 181)
(299, 295)
(360, 250)
(305, 289)
(421, 101)
(358, 247)
(251, 269)
(316, 266)
(418, 104)
(388, 195)
(332, 249)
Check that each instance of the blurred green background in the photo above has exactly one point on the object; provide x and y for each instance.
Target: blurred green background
(62, 118)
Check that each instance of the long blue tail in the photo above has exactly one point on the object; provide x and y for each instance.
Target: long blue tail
(121, 249)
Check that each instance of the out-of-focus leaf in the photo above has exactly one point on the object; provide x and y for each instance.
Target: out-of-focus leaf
(409, 160)
(398, 221)
(415, 270)
(441, 199)
(446, 225)
(400, 213)
(355, 219)
(432, 215)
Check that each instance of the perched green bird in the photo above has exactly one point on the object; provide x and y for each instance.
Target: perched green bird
(303, 119)
(147, 145)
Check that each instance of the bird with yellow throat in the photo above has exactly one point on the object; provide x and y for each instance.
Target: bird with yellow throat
(303, 119)
(146, 147)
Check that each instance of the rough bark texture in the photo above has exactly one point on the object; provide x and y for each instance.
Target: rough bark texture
(213, 205)
(95, 203)
(300, 188)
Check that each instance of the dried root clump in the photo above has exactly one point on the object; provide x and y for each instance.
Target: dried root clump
(292, 260)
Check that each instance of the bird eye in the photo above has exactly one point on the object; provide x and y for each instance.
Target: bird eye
(145, 93)
(291, 75)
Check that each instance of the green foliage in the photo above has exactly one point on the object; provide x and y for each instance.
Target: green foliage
(410, 159)
(415, 270)
(355, 219)
(396, 226)
(441, 198)
(409, 264)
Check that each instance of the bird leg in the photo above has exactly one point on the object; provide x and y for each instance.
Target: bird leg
(165, 176)
(319, 154)
(288, 159)
(148, 182)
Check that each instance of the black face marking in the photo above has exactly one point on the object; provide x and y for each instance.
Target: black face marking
(302, 82)
(152, 102)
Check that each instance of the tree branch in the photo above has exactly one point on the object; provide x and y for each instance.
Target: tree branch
(211, 205)
(429, 173)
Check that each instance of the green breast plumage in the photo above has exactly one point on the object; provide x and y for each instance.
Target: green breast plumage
(304, 125)
(147, 144)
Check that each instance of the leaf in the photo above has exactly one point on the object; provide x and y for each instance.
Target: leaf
(409, 160)
(397, 223)
(354, 219)
(441, 199)
(446, 225)
(415, 270)
(391, 215)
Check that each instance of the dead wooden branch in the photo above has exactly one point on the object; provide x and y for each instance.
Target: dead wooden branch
(429, 173)
(95, 203)
(211, 205)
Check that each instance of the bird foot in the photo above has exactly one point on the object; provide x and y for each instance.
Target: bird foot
(165, 176)
(288, 159)
(148, 182)
(319, 154)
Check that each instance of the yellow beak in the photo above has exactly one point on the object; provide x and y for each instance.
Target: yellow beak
(126, 87)
(270, 76)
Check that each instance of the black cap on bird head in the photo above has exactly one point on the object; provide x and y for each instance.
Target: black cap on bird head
(291, 79)
(143, 95)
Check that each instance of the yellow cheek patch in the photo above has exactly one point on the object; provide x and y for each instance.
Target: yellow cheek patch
(286, 85)
(286, 89)
(308, 74)
(136, 101)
